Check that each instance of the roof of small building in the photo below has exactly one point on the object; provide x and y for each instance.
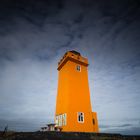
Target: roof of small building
(51, 124)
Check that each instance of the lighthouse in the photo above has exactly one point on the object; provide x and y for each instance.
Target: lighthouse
(73, 105)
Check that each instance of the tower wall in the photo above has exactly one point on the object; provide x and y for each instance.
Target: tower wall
(73, 97)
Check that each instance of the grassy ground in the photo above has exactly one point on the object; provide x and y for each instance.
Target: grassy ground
(63, 136)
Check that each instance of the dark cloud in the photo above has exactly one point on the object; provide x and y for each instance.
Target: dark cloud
(35, 34)
(127, 129)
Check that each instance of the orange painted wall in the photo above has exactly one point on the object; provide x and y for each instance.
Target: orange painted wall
(73, 94)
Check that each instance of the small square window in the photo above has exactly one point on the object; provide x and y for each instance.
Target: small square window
(78, 68)
(80, 117)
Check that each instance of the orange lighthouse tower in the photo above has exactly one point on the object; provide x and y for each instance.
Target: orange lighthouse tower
(73, 106)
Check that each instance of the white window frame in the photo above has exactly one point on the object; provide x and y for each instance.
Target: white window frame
(56, 121)
(79, 121)
(64, 119)
(61, 119)
(78, 68)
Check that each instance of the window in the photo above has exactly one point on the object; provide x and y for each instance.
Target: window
(56, 120)
(78, 68)
(80, 117)
(60, 120)
(64, 119)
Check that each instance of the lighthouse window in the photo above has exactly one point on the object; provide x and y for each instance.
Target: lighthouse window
(78, 68)
(64, 119)
(80, 117)
(60, 120)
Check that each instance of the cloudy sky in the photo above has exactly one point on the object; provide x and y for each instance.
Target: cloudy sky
(34, 35)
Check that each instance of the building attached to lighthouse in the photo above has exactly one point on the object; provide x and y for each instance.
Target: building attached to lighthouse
(73, 106)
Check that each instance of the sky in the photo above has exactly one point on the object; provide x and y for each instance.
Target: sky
(34, 35)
